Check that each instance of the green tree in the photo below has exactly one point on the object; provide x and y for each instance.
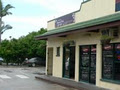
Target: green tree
(3, 12)
(5, 50)
(16, 50)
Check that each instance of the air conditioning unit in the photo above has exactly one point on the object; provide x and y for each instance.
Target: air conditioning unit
(113, 32)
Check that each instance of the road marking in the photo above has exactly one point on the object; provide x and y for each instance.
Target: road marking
(5, 77)
(22, 76)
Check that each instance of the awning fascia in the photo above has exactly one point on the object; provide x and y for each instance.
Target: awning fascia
(92, 28)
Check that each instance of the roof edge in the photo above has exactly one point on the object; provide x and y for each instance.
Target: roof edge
(84, 21)
(71, 12)
(96, 27)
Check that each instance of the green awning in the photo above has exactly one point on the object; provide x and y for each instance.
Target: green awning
(81, 25)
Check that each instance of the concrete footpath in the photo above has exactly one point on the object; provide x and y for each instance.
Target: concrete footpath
(69, 83)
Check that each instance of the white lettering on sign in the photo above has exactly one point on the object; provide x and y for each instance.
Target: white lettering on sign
(64, 20)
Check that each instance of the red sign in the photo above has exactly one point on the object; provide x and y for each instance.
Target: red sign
(93, 49)
(107, 47)
(117, 1)
(118, 57)
(118, 46)
(85, 49)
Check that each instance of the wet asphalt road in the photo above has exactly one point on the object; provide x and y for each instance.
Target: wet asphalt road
(23, 78)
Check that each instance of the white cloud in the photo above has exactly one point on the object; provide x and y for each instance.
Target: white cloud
(23, 25)
(36, 21)
(61, 6)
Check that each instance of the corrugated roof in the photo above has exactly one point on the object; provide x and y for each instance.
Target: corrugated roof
(81, 25)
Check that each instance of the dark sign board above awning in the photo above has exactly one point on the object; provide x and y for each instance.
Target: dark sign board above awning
(117, 5)
(64, 20)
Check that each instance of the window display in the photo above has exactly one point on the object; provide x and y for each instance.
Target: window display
(107, 61)
(111, 62)
(88, 63)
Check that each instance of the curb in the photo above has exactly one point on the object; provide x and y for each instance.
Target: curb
(69, 83)
(54, 82)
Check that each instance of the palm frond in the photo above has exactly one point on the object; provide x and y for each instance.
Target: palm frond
(7, 7)
(5, 10)
(5, 13)
(4, 28)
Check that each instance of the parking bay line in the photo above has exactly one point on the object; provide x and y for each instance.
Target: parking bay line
(22, 76)
(5, 77)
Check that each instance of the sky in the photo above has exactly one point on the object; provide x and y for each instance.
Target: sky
(31, 15)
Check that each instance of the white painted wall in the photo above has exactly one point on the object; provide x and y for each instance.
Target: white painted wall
(90, 10)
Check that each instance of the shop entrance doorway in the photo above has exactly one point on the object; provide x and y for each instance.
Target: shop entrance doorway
(69, 62)
(50, 62)
(88, 63)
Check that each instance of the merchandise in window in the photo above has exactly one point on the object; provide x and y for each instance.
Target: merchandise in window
(88, 63)
(111, 62)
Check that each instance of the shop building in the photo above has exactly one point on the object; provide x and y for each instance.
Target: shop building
(85, 45)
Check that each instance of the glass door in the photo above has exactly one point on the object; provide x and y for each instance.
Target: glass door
(88, 63)
(69, 62)
(66, 62)
(93, 64)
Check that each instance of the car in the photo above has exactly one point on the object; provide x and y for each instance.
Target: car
(25, 62)
(1, 60)
(36, 61)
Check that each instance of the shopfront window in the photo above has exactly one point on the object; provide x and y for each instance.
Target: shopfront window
(111, 62)
(108, 61)
(88, 63)
(117, 62)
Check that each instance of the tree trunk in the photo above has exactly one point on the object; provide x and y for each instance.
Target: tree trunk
(0, 28)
